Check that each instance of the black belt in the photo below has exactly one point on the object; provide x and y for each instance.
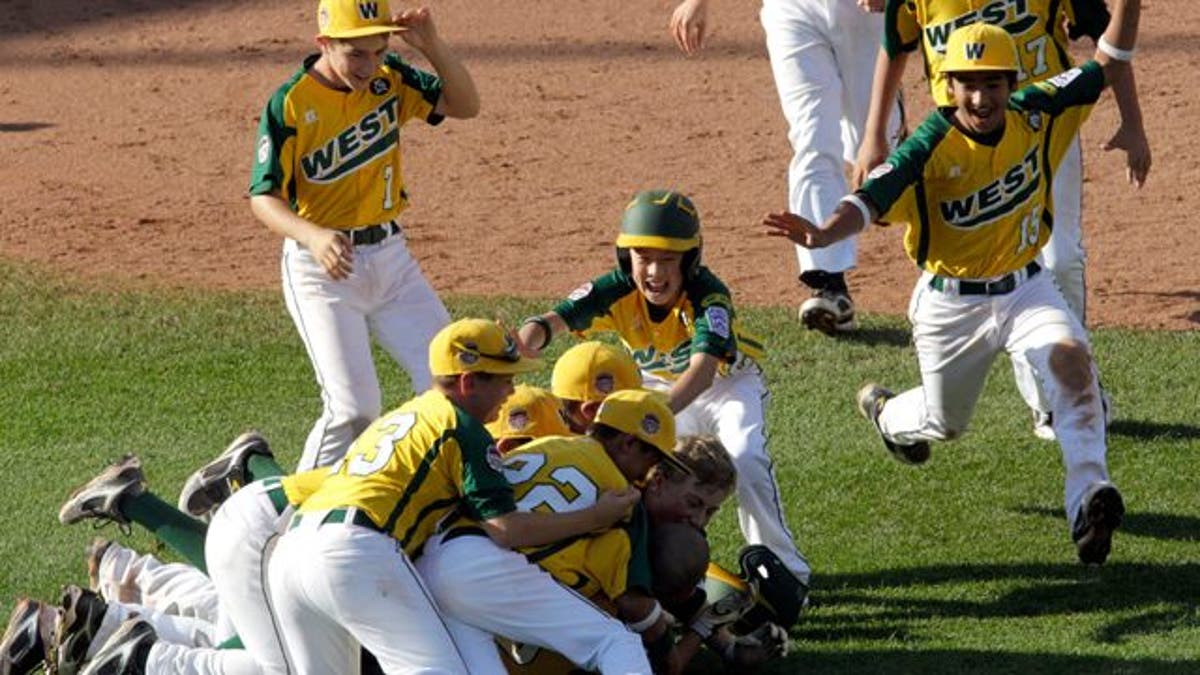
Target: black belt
(373, 234)
(1001, 286)
(359, 518)
(464, 531)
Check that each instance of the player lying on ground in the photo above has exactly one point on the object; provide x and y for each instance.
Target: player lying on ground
(974, 185)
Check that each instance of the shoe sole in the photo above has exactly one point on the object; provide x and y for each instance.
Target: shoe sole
(78, 623)
(825, 321)
(1104, 513)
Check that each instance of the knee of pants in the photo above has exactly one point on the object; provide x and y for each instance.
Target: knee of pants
(1071, 369)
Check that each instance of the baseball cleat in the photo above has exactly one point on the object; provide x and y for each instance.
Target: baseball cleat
(1043, 425)
(212, 483)
(1098, 518)
(82, 614)
(870, 403)
(126, 652)
(95, 553)
(26, 644)
(100, 497)
(828, 311)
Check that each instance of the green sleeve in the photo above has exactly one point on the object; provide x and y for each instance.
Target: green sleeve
(594, 299)
(427, 84)
(906, 165)
(486, 492)
(712, 313)
(639, 574)
(1080, 86)
(267, 175)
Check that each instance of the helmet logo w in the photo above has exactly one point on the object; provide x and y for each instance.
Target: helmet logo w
(368, 10)
(973, 50)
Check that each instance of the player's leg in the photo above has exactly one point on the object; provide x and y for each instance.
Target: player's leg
(811, 94)
(1056, 346)
(174, 588)
(739, 405)
(331, 321)
(955, 341)
(498, 591)
(409, 313)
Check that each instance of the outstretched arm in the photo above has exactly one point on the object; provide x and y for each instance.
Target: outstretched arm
(1114, 52)
(849, 218)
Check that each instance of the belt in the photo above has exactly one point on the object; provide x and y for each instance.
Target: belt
(1001, 286)
(352, 516)
(373, 234)
(465, 531)
(276, 494)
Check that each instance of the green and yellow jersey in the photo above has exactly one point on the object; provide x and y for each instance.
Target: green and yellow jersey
(415, 465)
(298, 487)
(662, 340)
(1040, 28)
(335, 155)
(980, 208)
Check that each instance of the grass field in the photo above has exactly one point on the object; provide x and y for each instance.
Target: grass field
(963, 564)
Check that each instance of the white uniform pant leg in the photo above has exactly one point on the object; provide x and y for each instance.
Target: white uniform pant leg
(182, 630)
(1040, 318)
(331, 320)
(498, 591)
(813, 93)
(171, 588)
(409, 312)
(172, 659)
(1064, 254)
(337, 586)
(236, 550)
(738, 405)
(956, 339)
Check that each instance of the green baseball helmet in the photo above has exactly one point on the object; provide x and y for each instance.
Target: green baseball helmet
(661, 219)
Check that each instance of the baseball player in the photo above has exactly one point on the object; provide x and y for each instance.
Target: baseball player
(342, 575)
(974, 185)
(676, 319)
(1041, 29)
(327, 177)
(531, 412)
(822, 54)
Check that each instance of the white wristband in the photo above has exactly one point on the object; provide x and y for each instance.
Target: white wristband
(651, 619)
(853, 200)
(1113, 51)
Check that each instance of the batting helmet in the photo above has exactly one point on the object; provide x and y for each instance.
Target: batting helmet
(661, 219)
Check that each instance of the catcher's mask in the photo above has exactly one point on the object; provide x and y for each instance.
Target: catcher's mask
(661, 219)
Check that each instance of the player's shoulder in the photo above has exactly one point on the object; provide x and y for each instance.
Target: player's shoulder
(611, 285)
(405, 73)
(706, 289)
(281, 94)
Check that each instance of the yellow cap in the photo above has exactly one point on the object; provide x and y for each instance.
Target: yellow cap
(589, 371)
(531, 412)
(476, 346)
(643, 414)
(354, 18)
(980, 47)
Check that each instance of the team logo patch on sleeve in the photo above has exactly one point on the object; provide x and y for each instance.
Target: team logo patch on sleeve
(380, 86)
(1066, 77)
(581, 292)
(718, 320)
(880, 171)
(264, 149)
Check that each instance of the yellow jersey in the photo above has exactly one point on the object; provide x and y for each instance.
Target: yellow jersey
(334, 156)
(1040, 28)
(662, 340)
(977, 208)
(413, 467)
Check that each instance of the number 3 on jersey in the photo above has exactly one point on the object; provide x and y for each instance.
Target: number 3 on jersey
(366, 461)
(567, 488)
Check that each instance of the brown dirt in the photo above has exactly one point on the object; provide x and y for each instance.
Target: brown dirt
(127, 133)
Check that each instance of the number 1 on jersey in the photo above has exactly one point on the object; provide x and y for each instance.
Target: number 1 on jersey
(387, 187)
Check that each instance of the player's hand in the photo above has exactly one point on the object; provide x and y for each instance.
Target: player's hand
(796, 229)
(871, 5)
(1132, 139)
(689, 22)
(614, 505)
(871, 154)
(334, 251)
(766, 642)
(416, 28)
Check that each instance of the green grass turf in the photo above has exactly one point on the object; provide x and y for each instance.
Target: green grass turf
(964, 563)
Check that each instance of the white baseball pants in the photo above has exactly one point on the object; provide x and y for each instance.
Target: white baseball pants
(958, 337)
(485, 590)
(387, 296)
(172, 628)
(338, 586)
(178, 589)
(823, 57)
(734, 410)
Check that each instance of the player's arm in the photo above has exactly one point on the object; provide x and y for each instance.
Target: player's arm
(330, 247)
(460, 98)
(518, 529)
(889, 72)
(537, 331)
(698, 377)
(852, 214)
(1114, 49)
(1118, 40)
(689, 23)
(645, 616)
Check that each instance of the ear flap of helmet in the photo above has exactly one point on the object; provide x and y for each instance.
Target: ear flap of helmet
(624, 261)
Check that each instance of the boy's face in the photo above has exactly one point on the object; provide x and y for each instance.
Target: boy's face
(982, 98)
(487, 394)
(355, 60)
(658, 274)
(682, 501)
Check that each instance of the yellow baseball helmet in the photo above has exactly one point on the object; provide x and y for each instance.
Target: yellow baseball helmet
(531, 412)
(643, 414)
(589, 371)
(354, 18)
(980, 47)
(476, 346)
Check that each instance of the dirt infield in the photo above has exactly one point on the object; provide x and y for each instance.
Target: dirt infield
(127, 130)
